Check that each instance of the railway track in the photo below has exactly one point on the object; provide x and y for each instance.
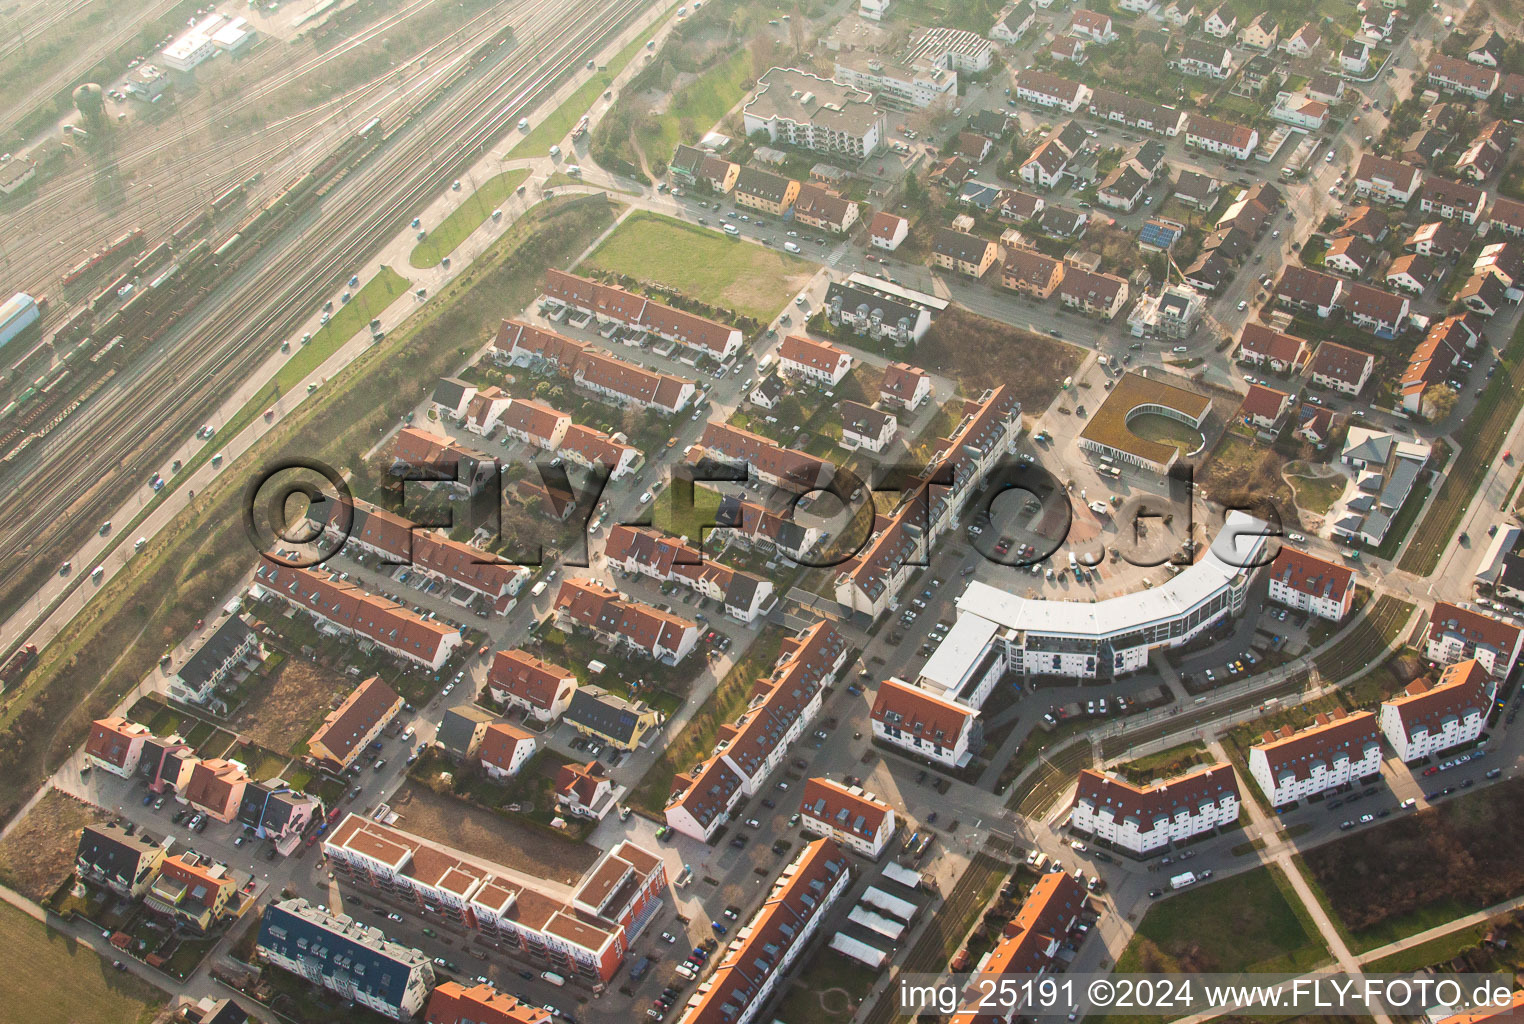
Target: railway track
(161, 401)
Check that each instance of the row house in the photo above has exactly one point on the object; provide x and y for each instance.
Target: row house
(342, 608)
(1363, 221)
(592, 448)
(752, 969)
(667, 559)
(1223, 138)
(1507, 216)
(1335, 750)
(465, 569)
(1425, 721)
(620, 382)
(484, 409)
(847, 815)
(541, 689)
(867, 312)
(1142, 819)
(1311, 584)
(611, 304)
(1261, 346)
(868, 584)
(1453, 200)
(192, 890)
(774, 466)
(535, 423)
(587, 936)
(1432, 359)
(1455, 75)
(274, 811)
(1045, 89)
(1457, 634)
(221, 655)
(818, 361)
(354, 725)
(756, 527)
(454, 1003)
(623, 624)
(418, 454)
(115, 745)
(1144, 115)
(108, 857)
(756, 744)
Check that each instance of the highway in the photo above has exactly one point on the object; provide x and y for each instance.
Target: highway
(81, 469)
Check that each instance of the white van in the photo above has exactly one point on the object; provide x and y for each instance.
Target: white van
(523, 124)
(555, 152)
(732, 230)
(140, 544)
(791, 246)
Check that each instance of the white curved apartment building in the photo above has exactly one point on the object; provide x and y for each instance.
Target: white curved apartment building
(1095, 640)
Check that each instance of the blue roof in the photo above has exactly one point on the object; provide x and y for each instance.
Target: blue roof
(362, 958)
(1159, 235)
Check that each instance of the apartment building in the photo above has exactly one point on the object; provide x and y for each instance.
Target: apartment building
(848, 815)
(1457, 634)
(354, 725)
(967, 254)
(822, 115)
(818, 361)
(1142, 819)
(1311, 584)
(1425, 721)
(1292, 765)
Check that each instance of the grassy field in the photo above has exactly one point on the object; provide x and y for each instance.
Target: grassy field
(38, 853)
(464, 219)
(703, 264)
(189, 567)
(1317, 494)
(1435, 951)
(1480, 437)
(686, 522)
(697, 106)
(829, 989)
(697, 737)
(980, 353)
(565, 117)
(284, 713)
(49, 979)
(1422, 870)
(1250, 922)
(1166, 431)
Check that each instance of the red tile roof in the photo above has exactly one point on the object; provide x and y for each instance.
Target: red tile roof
(1463, 688)
(632, 309)
(885, 225)
(1340, 363)
(901, 381)
(384, 621)
(1311, 575)
(798, 468)
(1284, 348)
(1402, 176)
(453, 1003)
(1031, 940)
(818, 355)
(522, 675)
(1295, 753)
(536, 419)
(580, 782)
(1208, 784)
(371, 703)
(1473, 627)
(838, 807)
(597, 607)
(112, 738)
(216, 785)
(918, 714)
(1224, 133)
(501, 742)
(1264, 403)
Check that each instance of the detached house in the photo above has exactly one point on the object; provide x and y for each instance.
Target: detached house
(1452, 200)
(1340, 368)
(1351, 256)
(886, 231)
(1262, 33)
(1101, 295)
(1093, 25)
(1412, 273)
(1309, 290)
(904, 386)
(1374, 310)
(864, 427)
(1205, 59)
(1263, 407)
(1303, 41)
(126, 864)
(1389, 181)
(116, 745)
(1221, 23)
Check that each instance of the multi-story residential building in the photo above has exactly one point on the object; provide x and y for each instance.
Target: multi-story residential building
(816, 207)
(1453, 200)
(414, 451)
(454, 1003)
(967, 254)
(1032, 944)
(1311, 584)
(1264, 407)
(461, 730)
(1220, 23)
(587, 936)
(756, 527)
(819, 361)
(848, 815)
(1145, 115)
(1425, 720)
(166, 764)
(754, 967)
(126, 864)
(896, 83)
(751, 748)
(1221, 137)
(623, 624)
(934, 727)
(1097, 294)
(1031, 273)
(220, 655)
(518, 679)
(1310, 291)
(867, 585)
(353, 960)
(1293, 765)
(1141, 819)
(875, 315)
(342, 608)
(1203, 59)
(1432, 360)
(116, 745)
(821, 115)
(762, 190)
(1375, 310)
(192, 890)
(1457, 634)
(696, 166)
(355, 724)
(274, 811)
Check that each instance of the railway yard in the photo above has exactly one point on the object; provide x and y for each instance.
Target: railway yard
(432, 433)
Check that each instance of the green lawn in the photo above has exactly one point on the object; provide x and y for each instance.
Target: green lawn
(52, 980)
(698, 106)
(464, 219)
(1164, 430)
(686, 522)
(1435, 951)
(702, 264)
(1317, 494)
(554, 128)
(1250, 922)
